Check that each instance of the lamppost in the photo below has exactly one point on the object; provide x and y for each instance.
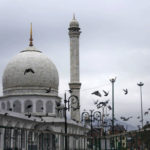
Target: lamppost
(140, 85)
(74, 100)
(105, 125)
(92, 116)
(113, 115)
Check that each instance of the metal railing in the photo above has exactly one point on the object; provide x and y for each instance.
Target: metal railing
(25, 139)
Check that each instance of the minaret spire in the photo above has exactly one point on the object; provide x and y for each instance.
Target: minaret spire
(31, 39)
(74, 18)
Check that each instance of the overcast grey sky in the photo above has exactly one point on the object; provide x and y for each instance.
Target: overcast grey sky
(115, 41)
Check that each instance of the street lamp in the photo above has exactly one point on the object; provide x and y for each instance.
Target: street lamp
(74, 100)
(92, 116)
(140, 85)
(113, 115)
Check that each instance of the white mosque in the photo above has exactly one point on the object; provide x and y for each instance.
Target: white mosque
(31, 111)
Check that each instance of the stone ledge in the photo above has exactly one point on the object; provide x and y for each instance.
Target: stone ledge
(74, 85)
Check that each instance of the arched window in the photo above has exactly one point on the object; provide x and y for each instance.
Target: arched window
(3, 105)
(49, 107)
(39, 106)
(28, 107)
(8, 106)
(17, 106)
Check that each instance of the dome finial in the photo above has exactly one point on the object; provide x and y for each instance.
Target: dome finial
(74, 18)
(31, 39)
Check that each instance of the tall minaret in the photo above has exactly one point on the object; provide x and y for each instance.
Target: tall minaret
(74, 33)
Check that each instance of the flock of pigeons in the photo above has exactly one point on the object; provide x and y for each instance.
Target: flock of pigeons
(97, 103)
(29, 114)
(105, 104)
(97, 93)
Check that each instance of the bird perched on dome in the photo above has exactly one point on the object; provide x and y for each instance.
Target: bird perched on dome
(48, 90)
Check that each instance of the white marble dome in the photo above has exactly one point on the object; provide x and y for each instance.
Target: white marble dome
(41, 76)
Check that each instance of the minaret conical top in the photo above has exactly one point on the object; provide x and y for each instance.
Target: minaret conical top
(31, 39)
(74, 18)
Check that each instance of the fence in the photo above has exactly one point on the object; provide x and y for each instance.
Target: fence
(24, 139)
(135, 140)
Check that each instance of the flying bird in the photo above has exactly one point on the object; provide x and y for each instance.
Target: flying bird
(48, 90)
(6, 114)
(98, 106)
(138, 117)
(125, 119)
(101, 104)
(96, 102)
(10, 109)
(29, 115)
(29, 106)
(105, 93)
(109, 107)
(29, 70)
(42, 108)
(122, 118)
(114, 119)
(146, 113)
(141, 120)
(70, 91)
(125, 91)
(106, 102)
(97, 93)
